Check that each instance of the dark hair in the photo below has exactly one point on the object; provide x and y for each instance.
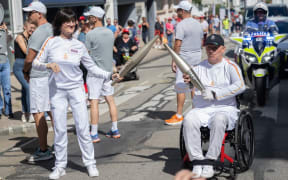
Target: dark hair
(62, 16)
(130, 23)
(85, 26)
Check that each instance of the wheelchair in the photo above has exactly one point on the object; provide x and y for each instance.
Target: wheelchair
(241, 139)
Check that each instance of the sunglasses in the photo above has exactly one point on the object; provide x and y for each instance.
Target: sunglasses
(212, 47)
(31, 12)
(260, 12)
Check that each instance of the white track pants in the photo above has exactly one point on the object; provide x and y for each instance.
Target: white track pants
(192, 135)
(59, 102)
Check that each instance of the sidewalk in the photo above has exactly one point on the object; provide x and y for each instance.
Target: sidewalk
(16, 126)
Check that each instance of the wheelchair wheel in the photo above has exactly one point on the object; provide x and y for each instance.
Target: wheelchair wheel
(182, 143)
(245, 142)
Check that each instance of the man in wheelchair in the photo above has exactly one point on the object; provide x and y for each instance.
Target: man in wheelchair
(215, 107)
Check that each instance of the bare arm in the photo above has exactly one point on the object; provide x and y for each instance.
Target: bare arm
(115, 49)
(21, 42)
(177, 47)
(29, 59)
(147, 25)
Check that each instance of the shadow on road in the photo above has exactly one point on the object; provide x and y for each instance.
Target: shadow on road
(162, 115)
(171, 157)
(271, 134)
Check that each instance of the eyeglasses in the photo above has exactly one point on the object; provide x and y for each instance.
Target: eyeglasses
(212, 47)
(71, 23)
(31, 12)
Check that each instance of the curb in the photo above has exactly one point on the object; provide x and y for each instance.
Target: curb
(20, 129)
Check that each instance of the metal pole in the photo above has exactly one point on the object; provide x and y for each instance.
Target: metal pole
(151, 16)
(229, 15)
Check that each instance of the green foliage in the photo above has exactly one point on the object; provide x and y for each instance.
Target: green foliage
(268, 1)
(198, 2)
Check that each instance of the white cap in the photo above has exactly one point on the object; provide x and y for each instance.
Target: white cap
(131, 19)
(185, 5)
(36, 6)
(95, 11)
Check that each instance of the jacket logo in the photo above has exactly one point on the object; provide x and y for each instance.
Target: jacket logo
(74, 51)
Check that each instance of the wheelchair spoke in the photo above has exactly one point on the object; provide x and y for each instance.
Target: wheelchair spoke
(245, 142)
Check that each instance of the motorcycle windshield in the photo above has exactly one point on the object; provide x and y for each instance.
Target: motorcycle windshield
(259, 44)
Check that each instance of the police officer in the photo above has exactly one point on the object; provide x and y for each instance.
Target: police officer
(260, 21)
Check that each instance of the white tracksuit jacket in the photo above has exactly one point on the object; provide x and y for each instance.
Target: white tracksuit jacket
(66, 87)
(225, 79)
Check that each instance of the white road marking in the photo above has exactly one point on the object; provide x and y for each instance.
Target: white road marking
(157, 102)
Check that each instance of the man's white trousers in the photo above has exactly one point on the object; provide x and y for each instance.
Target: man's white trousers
(59, 103)
(217, 123)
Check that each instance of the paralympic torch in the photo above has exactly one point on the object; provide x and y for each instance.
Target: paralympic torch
(185, 68)
(136, 58)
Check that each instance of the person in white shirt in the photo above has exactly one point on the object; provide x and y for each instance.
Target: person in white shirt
(63, 54)
(215, 107)
(216, 24)
(204, 25)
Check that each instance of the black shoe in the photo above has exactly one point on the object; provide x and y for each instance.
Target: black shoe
(11, 116)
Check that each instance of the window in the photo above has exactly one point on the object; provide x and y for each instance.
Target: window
(160, 4)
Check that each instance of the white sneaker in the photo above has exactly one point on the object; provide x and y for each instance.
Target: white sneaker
(69, 109)
(208, 171)
(31, 119)
(101, 100)
(92, 170)
(47, 118)
(197, 171)
(23, 117)
(57, 173)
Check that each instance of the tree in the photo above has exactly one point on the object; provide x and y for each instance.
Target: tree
(198, 2)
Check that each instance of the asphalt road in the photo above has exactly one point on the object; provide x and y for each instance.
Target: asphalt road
(147, 148)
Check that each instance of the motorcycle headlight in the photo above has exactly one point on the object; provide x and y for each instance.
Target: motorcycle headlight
(266, 58)
(250, 58)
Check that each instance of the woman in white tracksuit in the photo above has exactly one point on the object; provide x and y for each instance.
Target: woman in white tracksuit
(215, 107)
(63, 54)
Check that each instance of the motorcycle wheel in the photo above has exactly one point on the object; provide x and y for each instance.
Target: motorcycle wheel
(260, 87)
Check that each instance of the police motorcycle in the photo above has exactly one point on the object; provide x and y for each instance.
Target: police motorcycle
(257, 55)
